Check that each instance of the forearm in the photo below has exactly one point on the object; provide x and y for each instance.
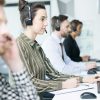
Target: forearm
(16, 65)
(43, 85)
(78, 59)
(81, 66)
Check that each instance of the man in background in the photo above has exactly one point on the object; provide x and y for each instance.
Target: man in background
(54, 49)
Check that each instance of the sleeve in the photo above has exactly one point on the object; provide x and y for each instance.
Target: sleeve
(24, 89)
(74, 67)
(2, 83)
(24, 86)
(41, 85)
(78, 59)
(55, 74)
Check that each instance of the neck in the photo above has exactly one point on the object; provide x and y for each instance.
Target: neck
(30, 34)
(58, 33)
(73, 34)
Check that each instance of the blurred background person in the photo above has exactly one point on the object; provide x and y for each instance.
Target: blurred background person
(70, 44)
(54, 49)
(24, 89)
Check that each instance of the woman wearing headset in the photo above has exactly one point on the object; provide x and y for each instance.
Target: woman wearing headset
(70, 44)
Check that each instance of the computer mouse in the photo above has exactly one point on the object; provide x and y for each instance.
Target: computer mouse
(92, 71)
(88, 95)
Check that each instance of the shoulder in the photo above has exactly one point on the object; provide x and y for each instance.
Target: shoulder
(22, 45)
(68, 38)
(20, 40)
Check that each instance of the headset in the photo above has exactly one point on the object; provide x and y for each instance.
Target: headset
(73, 27)
(28, 20)
(57, 24)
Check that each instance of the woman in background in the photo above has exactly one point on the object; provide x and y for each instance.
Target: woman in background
(70, 44)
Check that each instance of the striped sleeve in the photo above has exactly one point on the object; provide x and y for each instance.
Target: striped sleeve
(41, 85)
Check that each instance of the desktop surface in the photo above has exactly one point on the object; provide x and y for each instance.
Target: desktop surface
(75, 93)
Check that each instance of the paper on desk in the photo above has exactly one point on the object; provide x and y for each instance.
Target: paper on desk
(82, 87)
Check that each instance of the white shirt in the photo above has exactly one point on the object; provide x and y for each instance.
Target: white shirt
(53, 51)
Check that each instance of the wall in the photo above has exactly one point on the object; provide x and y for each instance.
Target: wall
(86, 11)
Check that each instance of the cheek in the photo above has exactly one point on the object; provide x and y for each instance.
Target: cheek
(37, 29)
(66, 30)
(3, 29)
(36, 26)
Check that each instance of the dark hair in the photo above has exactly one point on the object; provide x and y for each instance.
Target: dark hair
(2, 2)
(53, 21)
(56, 21)
(74, 24)
(62, 18)
(24, 11)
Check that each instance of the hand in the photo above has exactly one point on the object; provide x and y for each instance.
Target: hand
(90, 65)
(91, 79)
(9, 52)
(85, 58)
(70, 83)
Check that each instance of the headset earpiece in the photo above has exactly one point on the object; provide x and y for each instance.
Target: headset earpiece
(57, 24)
(28, 20)
(73, 27)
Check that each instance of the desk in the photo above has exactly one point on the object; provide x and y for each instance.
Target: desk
(74, 94)
(63, 95)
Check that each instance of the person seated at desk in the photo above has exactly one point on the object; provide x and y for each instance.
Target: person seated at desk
(70, 44)
(24, 89)
(32, 55)
(54, 49)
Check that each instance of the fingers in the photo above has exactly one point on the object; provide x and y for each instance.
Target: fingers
(4, 47)
(97, 78)
(5, 43)
(94, 79)
(78, 81)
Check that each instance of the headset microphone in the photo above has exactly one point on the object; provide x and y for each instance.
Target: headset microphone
(46, 31)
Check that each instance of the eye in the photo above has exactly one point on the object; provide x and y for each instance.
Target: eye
(42, 19)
